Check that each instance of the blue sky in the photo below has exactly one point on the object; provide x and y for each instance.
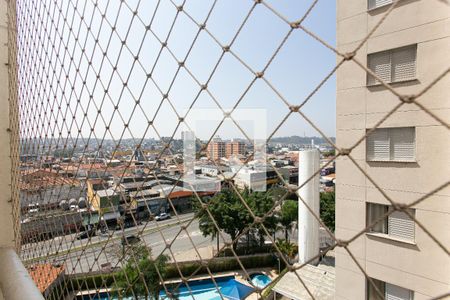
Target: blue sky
(298, 68)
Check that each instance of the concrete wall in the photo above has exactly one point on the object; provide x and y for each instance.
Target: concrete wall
(6, 219)
(420, 266)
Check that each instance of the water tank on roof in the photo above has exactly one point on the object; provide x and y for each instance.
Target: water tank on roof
(64, 204)
(82, 202)
(73, 201)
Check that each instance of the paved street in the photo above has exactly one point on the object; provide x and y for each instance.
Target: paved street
(61, 244)
(183, 248)
(88, 255)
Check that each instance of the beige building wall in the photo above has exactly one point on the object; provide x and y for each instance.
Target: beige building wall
(6, 219)
(421, 266)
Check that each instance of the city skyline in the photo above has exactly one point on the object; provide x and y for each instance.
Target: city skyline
(210, 149)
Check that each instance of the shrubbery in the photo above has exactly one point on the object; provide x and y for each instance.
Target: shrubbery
(220, 264)
(327, 209)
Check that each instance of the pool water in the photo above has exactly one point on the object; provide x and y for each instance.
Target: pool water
(260, 280)
(204, 289)
(200, 289)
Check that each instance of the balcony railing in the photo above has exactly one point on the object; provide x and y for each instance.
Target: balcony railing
(95, 202)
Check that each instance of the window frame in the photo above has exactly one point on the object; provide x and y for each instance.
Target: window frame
(390, 52)
(391, 146)
(377, 7)
(386, 232)
(369, 289)
(369, 219)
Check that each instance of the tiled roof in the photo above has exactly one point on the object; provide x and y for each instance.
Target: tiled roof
(42, 178)
(45, 274)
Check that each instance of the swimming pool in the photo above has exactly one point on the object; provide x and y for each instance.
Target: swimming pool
(260, 280)
(201, 289)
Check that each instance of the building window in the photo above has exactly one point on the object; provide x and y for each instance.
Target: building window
(397, 225)
(388, 291)
(391, 144)
(372, 4)
(394, 65)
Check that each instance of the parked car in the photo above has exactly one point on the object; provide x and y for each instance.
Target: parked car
(162, 216)
(106, 267)
(33, 208)
(85, 234)
(130, 239)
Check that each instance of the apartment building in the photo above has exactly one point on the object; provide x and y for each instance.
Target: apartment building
(234, 148)
(408, 156)
(216, 148)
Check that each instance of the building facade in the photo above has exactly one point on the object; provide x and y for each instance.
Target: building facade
(408, 156)
(219, 148)
(216, 149)
(234, 148)
(102, 199)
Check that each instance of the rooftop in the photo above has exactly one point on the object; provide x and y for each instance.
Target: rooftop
(106, 193)
(36, 179)
(44, 275)
(319, 280)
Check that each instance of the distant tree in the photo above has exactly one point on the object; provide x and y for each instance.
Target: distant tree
(261, 204)
(227, 211)
(63, 153)
(140, 275)
(288, 249)
(327, 209)
(329, 153)
(233, 217)
(288, 215)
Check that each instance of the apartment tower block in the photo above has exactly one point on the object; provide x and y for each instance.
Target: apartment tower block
(216, 148)
(407, 156)
(234, 148)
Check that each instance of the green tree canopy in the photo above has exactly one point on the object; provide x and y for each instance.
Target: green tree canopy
(261, 204)
(327, 209)
(329, 153)
(288, 215)
(228, 212)
(232, 216)
(140, 275)
(288, 249)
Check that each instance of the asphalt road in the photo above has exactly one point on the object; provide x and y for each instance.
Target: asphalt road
(61, 244)
(86, 255)
(90, 254)
(92, 258)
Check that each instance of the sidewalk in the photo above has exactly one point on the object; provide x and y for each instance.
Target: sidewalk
(190, 255)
